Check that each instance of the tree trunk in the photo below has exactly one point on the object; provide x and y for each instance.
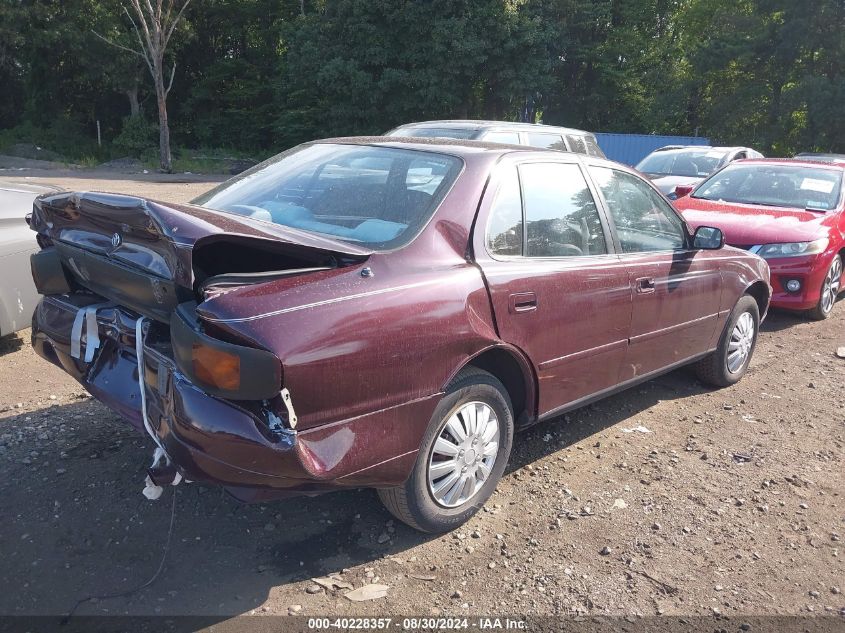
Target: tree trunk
(165, 161)
(773, 119)
(134, 104)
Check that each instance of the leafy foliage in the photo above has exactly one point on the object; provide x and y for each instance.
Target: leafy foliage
(261, 75)
(137, 138)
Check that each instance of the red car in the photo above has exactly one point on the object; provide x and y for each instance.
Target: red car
(382, 312)
(791, 213)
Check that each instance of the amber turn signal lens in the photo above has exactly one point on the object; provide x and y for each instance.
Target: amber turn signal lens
(216, 368)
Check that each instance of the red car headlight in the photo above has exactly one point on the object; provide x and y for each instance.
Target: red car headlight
(793, 249)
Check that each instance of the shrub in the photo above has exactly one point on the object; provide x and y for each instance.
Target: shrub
(138, 137)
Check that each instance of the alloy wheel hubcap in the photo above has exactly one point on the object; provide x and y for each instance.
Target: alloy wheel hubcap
(742, 340)
(830, 288)
(463, 454)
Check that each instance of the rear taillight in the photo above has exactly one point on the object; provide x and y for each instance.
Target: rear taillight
(221, 368)
(215, 367)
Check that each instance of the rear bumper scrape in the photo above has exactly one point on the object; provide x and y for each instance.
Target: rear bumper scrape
(219, 441)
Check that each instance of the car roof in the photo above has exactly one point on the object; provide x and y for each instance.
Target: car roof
(821, 158)
(712, 148)
(482, 124)
(455, 146)
(468, 149)
(799, 162)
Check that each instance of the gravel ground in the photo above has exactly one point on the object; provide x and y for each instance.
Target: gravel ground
(668, 499)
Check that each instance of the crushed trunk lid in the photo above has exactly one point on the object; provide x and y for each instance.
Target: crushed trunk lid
(151, 256)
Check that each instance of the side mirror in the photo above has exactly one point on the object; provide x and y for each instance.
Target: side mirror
(708, 238)
(682, 190)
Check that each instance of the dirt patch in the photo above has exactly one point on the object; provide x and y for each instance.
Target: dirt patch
(669, 498)
(173, 187)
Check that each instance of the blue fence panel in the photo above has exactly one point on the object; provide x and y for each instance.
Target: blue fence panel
(632, 148)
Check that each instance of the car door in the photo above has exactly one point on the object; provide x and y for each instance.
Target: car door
(676, 289)
(558, 290)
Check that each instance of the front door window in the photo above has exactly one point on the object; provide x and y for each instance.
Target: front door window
(644, 220)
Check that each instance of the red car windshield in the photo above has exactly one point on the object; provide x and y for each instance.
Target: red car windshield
(379, 197)
(792, 186)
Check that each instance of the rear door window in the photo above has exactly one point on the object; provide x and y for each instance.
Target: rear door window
(545, 140)
(593, 148)
(577, 144)
(501, 137)
(561, 217)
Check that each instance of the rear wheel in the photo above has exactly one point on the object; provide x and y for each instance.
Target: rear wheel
(462, 457)
(729, 362)
(831, 286)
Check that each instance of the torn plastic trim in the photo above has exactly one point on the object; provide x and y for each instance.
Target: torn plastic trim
(292, 419)
(228, 280)
(152, 490)
(159, 475)
(86, 318)
(139, 354)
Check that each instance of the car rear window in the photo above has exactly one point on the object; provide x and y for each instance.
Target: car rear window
(378, 197)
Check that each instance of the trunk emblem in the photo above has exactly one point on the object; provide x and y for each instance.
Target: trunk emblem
(116, 240)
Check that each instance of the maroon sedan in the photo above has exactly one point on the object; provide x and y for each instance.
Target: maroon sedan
(382, 312)
(791, 213)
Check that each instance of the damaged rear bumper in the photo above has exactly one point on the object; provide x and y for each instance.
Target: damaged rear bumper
(234, 444)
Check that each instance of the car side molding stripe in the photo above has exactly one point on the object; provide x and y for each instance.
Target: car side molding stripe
(672, 328)
(601, 349)
(325, 302)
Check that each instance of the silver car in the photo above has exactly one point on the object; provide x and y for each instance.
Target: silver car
(686, 166)
(17, 291)
(534, 134)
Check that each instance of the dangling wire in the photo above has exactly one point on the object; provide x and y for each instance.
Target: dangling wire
(152, 579)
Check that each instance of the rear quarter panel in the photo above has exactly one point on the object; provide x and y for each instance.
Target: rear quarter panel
(351, 344)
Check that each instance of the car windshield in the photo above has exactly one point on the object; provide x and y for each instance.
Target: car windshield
(436, 132)
(774, 185)
(379, 197)
(694, 163)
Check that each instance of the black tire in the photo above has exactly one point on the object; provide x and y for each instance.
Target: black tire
(413, 503)
(823, 310)
(713, 369)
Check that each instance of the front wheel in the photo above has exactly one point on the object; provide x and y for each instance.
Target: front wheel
(462, 457)
(729, 362)
(831, 286)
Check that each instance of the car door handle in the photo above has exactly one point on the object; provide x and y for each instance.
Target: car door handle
(522, 302)
(645, 285)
